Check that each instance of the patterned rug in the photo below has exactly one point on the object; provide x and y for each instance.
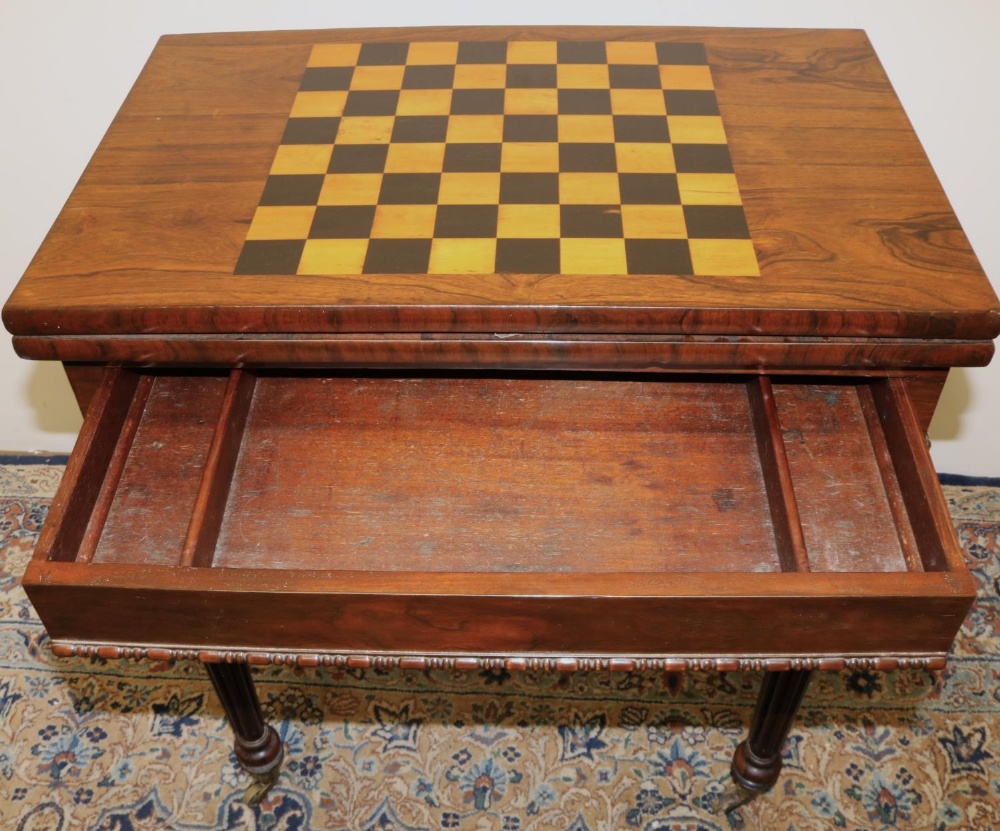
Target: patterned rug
(121, 746)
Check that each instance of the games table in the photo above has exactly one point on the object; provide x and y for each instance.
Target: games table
(553, 348)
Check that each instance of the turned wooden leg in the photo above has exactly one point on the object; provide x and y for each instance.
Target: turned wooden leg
(757, 761)
(257, 745)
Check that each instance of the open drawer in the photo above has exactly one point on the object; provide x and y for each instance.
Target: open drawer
(574, 520)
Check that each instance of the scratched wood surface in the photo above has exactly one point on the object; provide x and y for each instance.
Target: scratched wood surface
(851, 230)
(548, 476)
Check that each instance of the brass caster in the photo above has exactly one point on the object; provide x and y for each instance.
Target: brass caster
(736, 797)
(258, 788)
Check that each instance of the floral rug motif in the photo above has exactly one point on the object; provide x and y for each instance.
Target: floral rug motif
(133, 746)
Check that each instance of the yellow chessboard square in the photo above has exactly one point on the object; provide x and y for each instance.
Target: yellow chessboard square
(404, 221)
(350, 189)
(281, 222)
(592, 256)
(586, 128)
(414, 158)
(531, 102)
(481, 76)
(638, 102)
(319, 104)
(589, 189)
(424, 102)
(653, 222)
(531, 51)
(528, 222)
(377, 77)
(644, 157)
(469, 189)
(475, 129)
(685, 77)
(622, 52)
(696, 129)
(529, 157)
(708, 189)
(365, 129)
(582, 76)
(333, 256)
(724, 257)
(301, 158)
(433, 53)
(334, 54)
(463, 256)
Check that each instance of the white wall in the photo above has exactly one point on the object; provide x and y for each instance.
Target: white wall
(66, 66)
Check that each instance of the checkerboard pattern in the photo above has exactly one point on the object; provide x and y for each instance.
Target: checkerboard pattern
(528, 157)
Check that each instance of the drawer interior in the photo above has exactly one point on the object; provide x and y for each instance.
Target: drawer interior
(573, 473)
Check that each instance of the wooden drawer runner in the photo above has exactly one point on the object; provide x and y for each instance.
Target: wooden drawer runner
(585, 520)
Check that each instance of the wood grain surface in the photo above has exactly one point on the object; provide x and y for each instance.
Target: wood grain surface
(852, 231)
(751, 616)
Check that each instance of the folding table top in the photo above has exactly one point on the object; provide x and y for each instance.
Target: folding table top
(528, 180)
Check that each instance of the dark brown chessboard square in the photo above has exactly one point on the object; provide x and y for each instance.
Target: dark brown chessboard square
(649, 188)
(601, 221)
(683, 54)
(319, 78)
(371, 102)
(295, 189)
(409, 189)
(658, 256)
(626, 76)
(466, 221)
(428, 77)
(716, 222)
(472, 158)
(420, 128)
(270, 256)
(383, 54)
(477, 102)
(702, 158)
(530, 128)
(629, 128)
(529, 188)
(482, 51)
(310, 131)
(531, 76)
(591, 51)
(586, 157)
(358, 158)
(397, 256)
(527, 256)
(690, 102)
(584, 101)
(342, 222)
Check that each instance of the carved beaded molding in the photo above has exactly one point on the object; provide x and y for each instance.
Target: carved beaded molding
(514, 663)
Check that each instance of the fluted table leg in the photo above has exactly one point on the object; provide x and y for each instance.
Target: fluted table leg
(258, 748)
(757, 761)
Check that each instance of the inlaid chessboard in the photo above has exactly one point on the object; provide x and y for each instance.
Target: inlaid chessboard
(485, 157)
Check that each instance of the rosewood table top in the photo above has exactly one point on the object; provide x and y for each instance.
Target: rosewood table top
(615, 181)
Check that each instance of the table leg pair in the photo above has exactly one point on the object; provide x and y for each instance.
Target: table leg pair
(756, 762)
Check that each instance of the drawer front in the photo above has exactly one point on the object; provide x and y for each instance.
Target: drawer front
(576, 519)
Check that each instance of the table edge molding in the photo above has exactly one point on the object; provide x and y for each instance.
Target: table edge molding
(525, 662)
